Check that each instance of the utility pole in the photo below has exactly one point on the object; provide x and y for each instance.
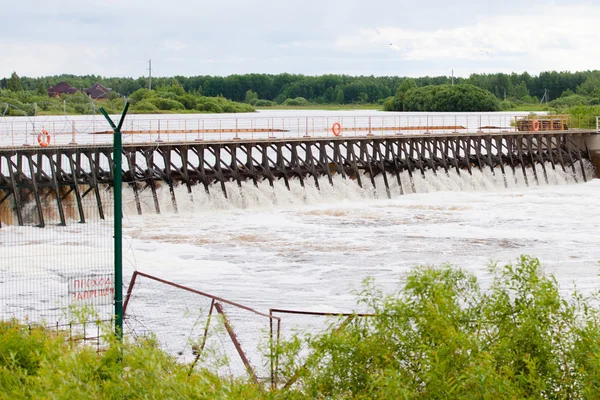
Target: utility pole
(545, 97)
(452, 76)
(150, 74)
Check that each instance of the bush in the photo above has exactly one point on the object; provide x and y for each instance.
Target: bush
(36, 364)
(141, 94)
(388, 104)
(454, 98)
(145, 106)
(507, 105)
(166, 104)
(569, 101)
(208, 105)
(189, 101)
(442, 336)
(263, 103)
(298, 101)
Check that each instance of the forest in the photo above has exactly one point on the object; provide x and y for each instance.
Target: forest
(216, 93)
(340, 89)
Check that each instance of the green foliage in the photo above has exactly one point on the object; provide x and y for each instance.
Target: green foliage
(145, 106)
(14, 83)
(507, 105)
(457, 98)
(388, 104)
(520, 89)
(338, 89)
(250, 95)
(166, 104)
(443, 336)
(142, 100)
(141, 94)
(569, 101)
(41, 89)
(38, 364)
(298, 101)
(582, 116)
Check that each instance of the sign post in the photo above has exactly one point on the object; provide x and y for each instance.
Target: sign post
(118, 214)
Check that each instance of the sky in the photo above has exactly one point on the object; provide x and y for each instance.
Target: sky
(312, 37)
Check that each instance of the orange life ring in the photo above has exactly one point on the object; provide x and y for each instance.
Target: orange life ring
(43, 138)
(336, 128)
(535, 125)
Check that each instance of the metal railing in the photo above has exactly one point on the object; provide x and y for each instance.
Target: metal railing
(164, 128)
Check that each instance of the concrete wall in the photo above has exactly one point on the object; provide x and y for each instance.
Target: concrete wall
(593, 144)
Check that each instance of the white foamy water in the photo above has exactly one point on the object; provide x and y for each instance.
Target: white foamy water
(309, 249)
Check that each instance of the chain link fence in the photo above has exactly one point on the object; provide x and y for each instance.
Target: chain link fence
(55, 270)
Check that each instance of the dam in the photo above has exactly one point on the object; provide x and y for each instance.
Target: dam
(35, 179)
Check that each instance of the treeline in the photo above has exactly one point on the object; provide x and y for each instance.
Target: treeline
(339, 89)
(166, 99)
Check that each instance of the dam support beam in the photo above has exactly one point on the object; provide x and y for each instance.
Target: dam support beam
(36, 183)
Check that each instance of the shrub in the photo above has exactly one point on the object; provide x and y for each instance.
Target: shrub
(263, 103)
(455, 98)
(145, 106)
(442, 336)
(209, 106)
(141, 94)
(189, 101)
(298, 101)
(40, 365)
(507, 105)
(166, 104)
(388, 104)
(569, 101)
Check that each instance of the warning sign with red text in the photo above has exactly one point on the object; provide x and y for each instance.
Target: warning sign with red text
(92, 290)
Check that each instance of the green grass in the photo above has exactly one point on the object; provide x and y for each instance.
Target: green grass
(531, 107)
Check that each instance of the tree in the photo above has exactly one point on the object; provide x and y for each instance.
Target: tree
(339, 97)
(14, 83)
(456, 98)
(520, 90)
(41, 89)
(250, 95)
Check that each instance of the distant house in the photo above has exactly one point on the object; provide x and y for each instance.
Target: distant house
(98, 92)
(61, 88)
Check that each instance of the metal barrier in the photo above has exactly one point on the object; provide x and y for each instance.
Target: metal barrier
(183, 321)
(79, 131)
(178, 310)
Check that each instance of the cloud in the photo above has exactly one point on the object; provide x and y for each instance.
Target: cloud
(173, 45)
(553, 37)
(33, 59)
(383, 37)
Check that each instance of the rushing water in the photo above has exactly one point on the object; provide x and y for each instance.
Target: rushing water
(309, 249)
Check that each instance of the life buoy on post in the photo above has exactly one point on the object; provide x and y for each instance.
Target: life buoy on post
(336, 128)
(535, 125)
(43, 138)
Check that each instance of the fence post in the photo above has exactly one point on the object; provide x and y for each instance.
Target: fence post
(118, 211)
(73, 142)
